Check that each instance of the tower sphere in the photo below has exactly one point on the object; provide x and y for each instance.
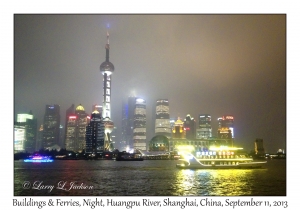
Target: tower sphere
(107, 67)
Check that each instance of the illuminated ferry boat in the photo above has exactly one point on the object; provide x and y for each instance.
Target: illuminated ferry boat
(222, 157)
(39, 159)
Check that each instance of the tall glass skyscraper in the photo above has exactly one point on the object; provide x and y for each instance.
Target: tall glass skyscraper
(76, 130)
(30, 124)
(128, 114)
(139, 125)
(19, 138)
(69, 112)
(226, 129)
(51, 126)
(95, 135)
(190, 127)
(205, 130)
(162, 119)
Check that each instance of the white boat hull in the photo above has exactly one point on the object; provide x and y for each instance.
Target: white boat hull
(237, 163)
(251, 165)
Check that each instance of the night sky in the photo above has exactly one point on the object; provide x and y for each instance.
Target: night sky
(204, 64)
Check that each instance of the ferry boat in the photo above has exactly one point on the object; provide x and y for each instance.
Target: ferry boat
(39, 159)
(125, 156)
(219, 158)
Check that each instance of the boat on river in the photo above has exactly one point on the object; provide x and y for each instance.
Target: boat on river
(219, 158)
(125, 156)
(39, 159)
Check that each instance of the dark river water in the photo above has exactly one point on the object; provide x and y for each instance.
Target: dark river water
(144, 178)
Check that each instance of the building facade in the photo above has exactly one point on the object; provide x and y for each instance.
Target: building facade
(204, 131)
(226, 126)
(124, 140)
(162, 118)
(128, 119)
(189, 125)
(139, 125)
(19, 138)
(51, 126)
(178, 131)
(69, 112)
(95, 136)
(259, 147)
(30, 124)
(76, 130)
(82, 121)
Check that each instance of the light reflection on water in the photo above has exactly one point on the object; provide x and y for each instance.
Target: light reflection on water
(150, 178)
(215, 182)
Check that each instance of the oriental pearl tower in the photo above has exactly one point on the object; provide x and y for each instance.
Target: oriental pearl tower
(107, 68)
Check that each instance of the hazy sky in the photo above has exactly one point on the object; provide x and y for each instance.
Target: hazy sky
(204, 64)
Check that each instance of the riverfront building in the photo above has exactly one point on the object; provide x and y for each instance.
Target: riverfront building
(178, 131)
(19, 138)
(259, 147)
(162, 120)
(29, 122)
(51, 126)
(226, 128)
(76, 130)
(95, 135)
(139, 125)
(204, 131)
(189, 125)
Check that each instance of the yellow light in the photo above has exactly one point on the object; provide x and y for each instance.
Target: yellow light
(224, 148)
(185, 148)
(187, 157)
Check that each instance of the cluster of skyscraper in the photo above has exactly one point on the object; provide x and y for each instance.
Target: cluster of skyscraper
(92, 133)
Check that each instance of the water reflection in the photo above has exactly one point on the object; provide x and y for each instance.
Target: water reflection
(149, 178)
(215, 182)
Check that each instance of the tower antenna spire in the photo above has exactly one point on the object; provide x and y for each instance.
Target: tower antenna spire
(107, 33)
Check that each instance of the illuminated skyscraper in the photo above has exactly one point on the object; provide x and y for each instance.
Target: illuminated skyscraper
(178, 131)
(39, 138)
(139, 125)
(82, 121)
(30, 124)
(76, 130)
(226, 129)
(70, 111)
(162, 120)
(128, 110)
(204, 131)
(190, 127)
(19, 138)
(107, 68)
(95, 135)
(71, 133)
(51, 126)
(124, 141)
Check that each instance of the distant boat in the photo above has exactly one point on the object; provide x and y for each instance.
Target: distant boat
(39, 159)
(219, 158)
(125, 156)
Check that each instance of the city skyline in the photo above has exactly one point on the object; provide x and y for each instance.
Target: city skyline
(215, 64)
